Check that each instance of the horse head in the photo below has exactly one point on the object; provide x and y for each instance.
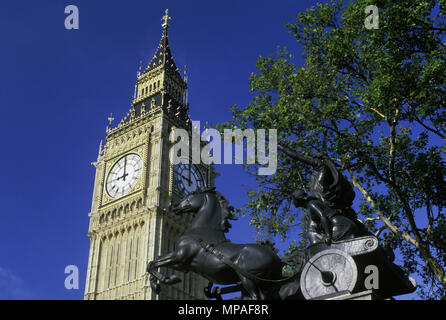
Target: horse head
(190, 204)
(213, 209)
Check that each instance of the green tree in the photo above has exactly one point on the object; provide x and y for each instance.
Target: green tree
(374, 101)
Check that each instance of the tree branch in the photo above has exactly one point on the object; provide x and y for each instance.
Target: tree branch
(381, 216)
(392, 151)
(371, 108)
(429, 218)
(378, 233)
(430, 27)
(370, 219)
(296, 156)
(437, 132)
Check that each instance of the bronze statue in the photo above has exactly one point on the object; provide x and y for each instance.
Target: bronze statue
(328, 223)
(341, 248)
(329, 202)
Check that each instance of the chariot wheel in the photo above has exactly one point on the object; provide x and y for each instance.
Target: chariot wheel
(328, 272)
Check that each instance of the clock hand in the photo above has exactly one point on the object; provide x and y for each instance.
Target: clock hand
(185, 178)
(125, 167)
(124, 174)
(189, 175)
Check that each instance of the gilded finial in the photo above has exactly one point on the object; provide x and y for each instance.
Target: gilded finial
(110, 118)
(139, 68)
(166, 19)
(186, 93)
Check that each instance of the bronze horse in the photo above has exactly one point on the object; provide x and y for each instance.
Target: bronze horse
(204, 249)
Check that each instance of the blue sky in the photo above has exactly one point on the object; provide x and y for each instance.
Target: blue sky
(57, 88)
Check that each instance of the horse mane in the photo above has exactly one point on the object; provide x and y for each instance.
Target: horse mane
(226, 209)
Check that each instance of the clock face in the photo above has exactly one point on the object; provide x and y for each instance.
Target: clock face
(124, 175)
(188, 178)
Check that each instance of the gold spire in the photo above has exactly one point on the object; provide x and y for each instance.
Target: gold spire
(185, 74)
(110, 118)
(186, 92)
(166, 19)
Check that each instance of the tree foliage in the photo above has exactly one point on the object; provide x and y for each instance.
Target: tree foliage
(372, 100)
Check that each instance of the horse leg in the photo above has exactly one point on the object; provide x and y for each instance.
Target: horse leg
(251, 288)
(167, 260)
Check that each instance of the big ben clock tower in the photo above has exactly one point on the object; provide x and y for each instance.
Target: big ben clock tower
(134, 185)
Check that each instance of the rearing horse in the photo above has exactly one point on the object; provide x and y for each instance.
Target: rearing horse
(204, 249)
